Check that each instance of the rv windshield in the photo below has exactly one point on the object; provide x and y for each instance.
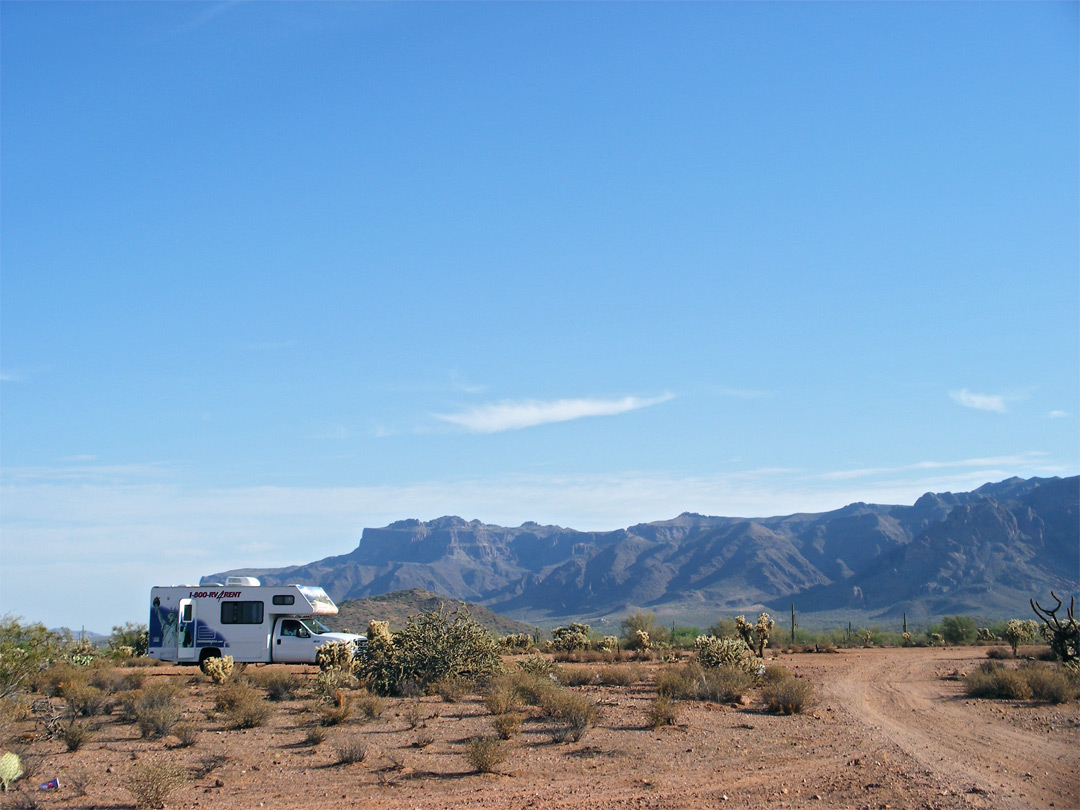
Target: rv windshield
(315, 627)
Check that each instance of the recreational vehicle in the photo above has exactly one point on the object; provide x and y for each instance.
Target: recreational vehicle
(251, 622)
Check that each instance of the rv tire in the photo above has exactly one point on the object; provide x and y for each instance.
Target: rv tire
(206, 654)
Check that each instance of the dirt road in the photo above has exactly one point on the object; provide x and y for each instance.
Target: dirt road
(999, 754)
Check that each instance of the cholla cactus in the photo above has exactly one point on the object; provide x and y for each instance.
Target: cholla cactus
(642, 641)
(1019, 632)
(82, 653)
(516, 642)
(568, 639)
(434, 646)
(10, 769)
(726, 652)
(762, 631)
(218, 669)
(745, 631)
(607, 644)
(905, 639)
(867, 638)
(378, 631)
(937, 640)
(984, 634)
(337, 655)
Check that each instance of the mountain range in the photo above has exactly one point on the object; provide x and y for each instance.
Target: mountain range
(985, 553)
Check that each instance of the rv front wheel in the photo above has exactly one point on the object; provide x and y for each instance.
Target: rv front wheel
(206, 655)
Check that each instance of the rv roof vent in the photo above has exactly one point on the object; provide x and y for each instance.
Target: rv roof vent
(243, 581)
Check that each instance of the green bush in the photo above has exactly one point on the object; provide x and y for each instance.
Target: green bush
(959, 629)
(24, 651)
(433, 646)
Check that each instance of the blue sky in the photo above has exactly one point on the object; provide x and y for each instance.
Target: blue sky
(272, 273)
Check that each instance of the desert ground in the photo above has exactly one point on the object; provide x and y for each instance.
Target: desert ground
(891, 728)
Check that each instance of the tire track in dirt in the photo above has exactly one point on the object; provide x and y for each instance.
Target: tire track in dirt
(905, 697)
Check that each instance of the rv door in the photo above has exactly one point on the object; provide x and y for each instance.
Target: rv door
(185, 636)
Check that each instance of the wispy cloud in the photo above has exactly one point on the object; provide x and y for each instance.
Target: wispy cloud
(980, 402)
(1019, 461)
(515, 415)
(1057, 414)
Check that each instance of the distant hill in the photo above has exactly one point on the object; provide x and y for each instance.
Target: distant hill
(984, 552)
(396, 607)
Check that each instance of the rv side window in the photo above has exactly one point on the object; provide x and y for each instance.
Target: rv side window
(241, 612)
(284, 599)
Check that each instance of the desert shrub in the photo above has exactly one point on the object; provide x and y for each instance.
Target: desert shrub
(995, 682)
(156, 709)
(451, 690)
(413, 715)
(314, 736)
(75, 734)
(774, 672)
(337, 711)
(678, 682)
(25, 649)
(999, 653)
(503, 696)
(243, 705)
(573, 637)
(787, 696)
(507, 724)
(484, 753)
(619, 675)
(576, 676)
(663, 712)
(85, 700)
(1053, 684)
(151, 783)
(723, 684)
(351, 751)
(187, 734)
(571, 715)
(217, 669)
(280, 684)
(726, 652)
(369, 705)
(432, 646)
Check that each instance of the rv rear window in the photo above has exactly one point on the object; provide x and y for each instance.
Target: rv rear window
(241, 612)
(284, 599)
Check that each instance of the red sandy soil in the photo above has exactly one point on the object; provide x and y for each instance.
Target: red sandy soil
(891, 729)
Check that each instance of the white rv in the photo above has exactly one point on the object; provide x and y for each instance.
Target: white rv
(253, 623)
